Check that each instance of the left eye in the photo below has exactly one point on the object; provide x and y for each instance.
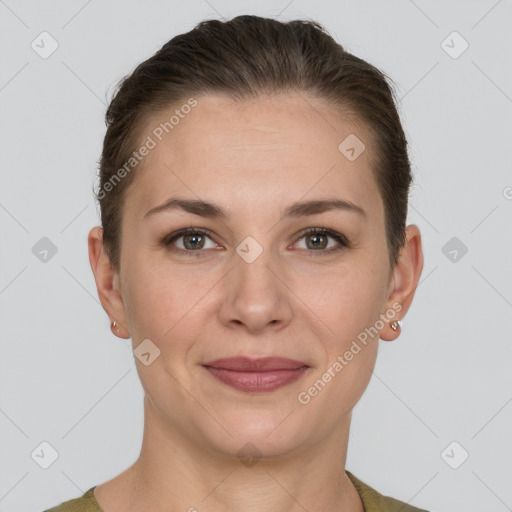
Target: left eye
(318, 238)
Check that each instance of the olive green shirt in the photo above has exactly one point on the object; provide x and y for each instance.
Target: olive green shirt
(372, 500)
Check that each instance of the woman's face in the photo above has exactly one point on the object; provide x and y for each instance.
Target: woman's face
(256, 285)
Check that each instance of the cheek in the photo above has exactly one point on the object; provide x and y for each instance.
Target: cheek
(347, 299)
(349, 307)
(169, 306)
(156, 299)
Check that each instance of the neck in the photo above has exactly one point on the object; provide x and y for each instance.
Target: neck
(173, 472)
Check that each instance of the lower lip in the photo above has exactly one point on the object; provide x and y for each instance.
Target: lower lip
(257, 381)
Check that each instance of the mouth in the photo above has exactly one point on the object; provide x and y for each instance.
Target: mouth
(256, 375)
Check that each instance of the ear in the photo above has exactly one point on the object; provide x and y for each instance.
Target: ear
(107, 283)
(405, 279)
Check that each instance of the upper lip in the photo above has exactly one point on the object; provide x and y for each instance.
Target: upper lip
(247, 364)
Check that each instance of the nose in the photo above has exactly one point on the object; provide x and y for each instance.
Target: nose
(256, 295)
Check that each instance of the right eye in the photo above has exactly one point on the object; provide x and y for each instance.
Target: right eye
(193, 240)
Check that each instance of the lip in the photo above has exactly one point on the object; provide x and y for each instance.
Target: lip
(260, 364)
(256, 375)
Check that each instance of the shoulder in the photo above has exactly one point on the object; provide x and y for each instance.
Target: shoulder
(374, 501)
(85, 503)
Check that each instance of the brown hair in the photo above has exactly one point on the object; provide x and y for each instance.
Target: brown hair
(244, 57)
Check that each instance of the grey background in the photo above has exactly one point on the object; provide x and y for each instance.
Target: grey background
(66, 380)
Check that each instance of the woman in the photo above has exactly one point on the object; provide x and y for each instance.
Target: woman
(254, 185)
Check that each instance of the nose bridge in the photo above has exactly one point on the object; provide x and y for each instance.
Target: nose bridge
(254, 279)
(255, 295)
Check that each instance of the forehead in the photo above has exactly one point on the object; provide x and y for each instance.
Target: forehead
(280, 146)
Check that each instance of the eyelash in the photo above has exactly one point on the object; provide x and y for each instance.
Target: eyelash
(342, 240)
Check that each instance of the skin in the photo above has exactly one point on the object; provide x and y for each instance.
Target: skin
(295, 300)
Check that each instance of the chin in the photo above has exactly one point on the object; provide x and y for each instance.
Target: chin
(258, 434)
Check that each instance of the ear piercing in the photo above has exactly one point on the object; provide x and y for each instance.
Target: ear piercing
(396, 324)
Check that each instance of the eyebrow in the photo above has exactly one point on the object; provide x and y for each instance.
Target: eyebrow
(214, 211)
